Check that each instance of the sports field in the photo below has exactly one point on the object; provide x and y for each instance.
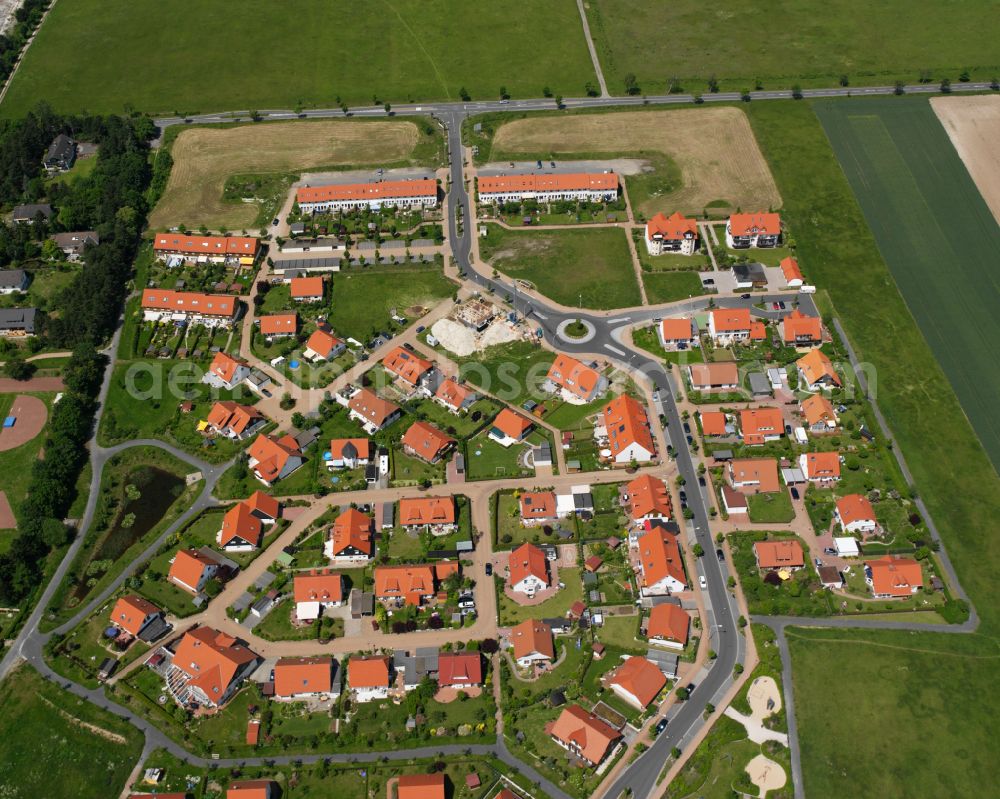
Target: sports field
(205, 157)
(809, 42)
(188, 56)
(936, 234)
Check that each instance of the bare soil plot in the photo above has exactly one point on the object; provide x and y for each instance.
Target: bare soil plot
(204, 158)
(8, 521)
(31, 414)
(973, 125)
(715, 149)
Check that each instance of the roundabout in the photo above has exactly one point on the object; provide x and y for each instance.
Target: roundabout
(579, 331)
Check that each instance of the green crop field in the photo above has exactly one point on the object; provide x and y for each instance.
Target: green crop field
(936, 234)
(203, 56)
(808, 42)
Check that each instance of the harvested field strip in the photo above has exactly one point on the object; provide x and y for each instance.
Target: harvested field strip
(973, 124)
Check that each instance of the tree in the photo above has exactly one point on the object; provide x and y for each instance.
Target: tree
(900, 88)
(844, 80)
(16, 368)
(737, 669)
(298, 420)
(698, 550)
(945, 85)
(713, 84)
(559, 101)
(464, 95)
(591, 90)
(682, 693)
(674, 86)
(503, 93)
(631, 87)
(546, 92)
(742, 622)
(388, 108)
(796, 92)
(675, 753)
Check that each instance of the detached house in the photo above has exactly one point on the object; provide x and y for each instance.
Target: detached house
(532, 643)
(816, 372)
(61, 154)
(73, 244)
(713, 423)
(371, 411)
(818, 413)
(369, 677)
(668, 625)
(226, 372)
(412, 584)
(627, 427)
(426, 442)
(820, 467)
(729, 325)
(300, 679)
(671, 234)
(677, 334)
(799, 330)
(278, 326)
(408, 367)
(892, 577)
(759, 425)
(638, 681)
(460, 670)
(436, 514)
(307, 289)
(509, 428)
(137, 616)
(855, 514)
(253, 789)
(661, 563)
(235, 421)
(208, 667)
(420, 786)
(754, 475)
(647, 498)
(350, 453)
(584, 734)
(773, 555)
(272, 459)
(715, 376)
(529, 570)
(316, 590)
(350, 541)
(537, 507)
(575, 379)
(455, 397)
(14, 280)
(191, 569)
(242, 530)
(753, 230)
(323, 346)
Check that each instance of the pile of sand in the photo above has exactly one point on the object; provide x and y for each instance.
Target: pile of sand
(461, 341)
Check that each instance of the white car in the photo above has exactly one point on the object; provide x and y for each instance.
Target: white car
(702, 581)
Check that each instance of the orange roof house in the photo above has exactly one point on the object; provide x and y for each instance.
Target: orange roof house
(241, 529)
(308, 289)
(726, 325)
(252, 789)
(532, 641)
(668, 624)
(264, 506)
(714, 376)
(753, 225)
(892, 577)
(537, 507)
(509, 427)
(272, 458)
(383, 191)
(435, 511)
(283, 324)
(420, 786)
(855, 509)
(754, 475)
(210, 665)
(323, 345)
(638, 681)
(677, 331)
(191, 570)
(459, 669)
(234, 420)
(800, 330)
(489, 188)
(303, 677)
(426, 442)
(818, 412)
(226, 368)
(184, 244)
(790, 270)
(368, 672)
(574, 376)
(529, 569)
(761, 424)
(411, 584)
(819, 467)
(318, 585)
(648, 498)
(407, 366)
(584, 734)
(816, 371)
(350, 452)
(713, 423)
(132, 613)
(629, 435)
(373, 411)
(758, 331)
(189, 304)
(454, 396)
(661, 563)
(351, 536)
(784, 554)
(675, 227)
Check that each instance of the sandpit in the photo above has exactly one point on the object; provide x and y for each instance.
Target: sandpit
(31, 415)
(764, 690)
(766, 774)
(973, 125)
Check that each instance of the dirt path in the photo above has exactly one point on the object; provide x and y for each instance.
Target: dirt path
(35, 384)
(107, 735)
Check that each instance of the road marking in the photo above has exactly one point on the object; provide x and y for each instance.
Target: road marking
(540, 315)
(620, 319)
(614, 349)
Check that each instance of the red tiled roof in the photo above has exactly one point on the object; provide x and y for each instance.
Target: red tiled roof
(641, 678)
(192, 302)
(211, 660)
(855, 508)
(426, 441)
(460, 668)
(227, 415)
(675, 226)
(306, 287)
(239, 522)
(352, 528)
(797, 326)
(511, 424)
(816, 408)
(717, 373)
(670, 622)
(790, 269)
(382, 190)
(272, 454)
(527, 561)
(368, 672)
(822, 464)
(263, 504)
(648, 495)
(205, 245)
(250, 789)
(426, 510)
(574, 376)
(585, 733)
(730, 320)
(627, 423)
(677, 329)
(786, 553)
(749, 224)
(583, 181)
(538, 505)
(452, 394)
(224, 366)
(713, 423)
(660, 556)
(406, 365)
(895, 576)
(130, 613)
(372, 407)
(420, 786)
(318, 585)
(187, 568)
(303, 676)
(352, 448)
(323, 343)
(816, 366)
(763, 471)
(411, 582)
(531, 636)
(276, 324)
(758, 423)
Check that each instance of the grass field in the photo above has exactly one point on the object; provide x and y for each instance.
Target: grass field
(803, 41)
(671, 286)
(513, 372)
(15, 472)
(273, 56)
(937, 235)
(720, 165)
(52, 743)
(204, 158)
(569, 266)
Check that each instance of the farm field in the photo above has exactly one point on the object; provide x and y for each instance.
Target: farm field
(205, 157)
(814, 44)
(973, 125)
(936, 234)
(90, 56)
(588, 267)
(719, 162)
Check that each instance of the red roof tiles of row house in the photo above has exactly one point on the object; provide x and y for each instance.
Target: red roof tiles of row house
(660, 555)
(239, 525)
(372, 407)
(318, 585)
(717, 373)
(323, 343)
(786, 554)
(574, 376)
(758, 331)
(427, 510)
(264, 505)
(537, 505)
(368, 672)
(460, 668)
(352, 529)
(189, 302)
(677, 329)
(205, 245)
(670, 622)
(648, 495)
(790, 269)
(750, 224)
(507, 794)
(816, 367)
(816, 409)
(855, 508)
(272, 454)
(640, 678)
(224, 366)
(351, 448)
(211, 660)
(251, 789)
(411, 583)
(798, 327)
(188, 567)
(762, 472)
(730, 320)
(382, 190)
(166, 796)
(426, 441)
(530, 636)
(627, 423)
(420, 786)
(528, 561)
(452, 394)
(226, 415)
(276, 324)
(585, 733)
(303, 288)
(131, 611)
(406, 365)
(821, 465)
(294, 676)
(894, 576)
(675, 226)
(511, 424)
(713, 423)
(757, 424)
(581, 181)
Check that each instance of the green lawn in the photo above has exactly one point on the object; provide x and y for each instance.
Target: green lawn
(621, 632)
(513, 372)
(277, 626)
(511, 613)
(15, 471)
(401, 51)
(45, 749)
(770, 508)
(810, 43)
(488, 460)
(671, 286)
(592, 267)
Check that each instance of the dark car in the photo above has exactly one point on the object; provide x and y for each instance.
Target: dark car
(489, 569)
(720, 555)
(661, 725)
(744, 296)
(407, 345)
(421, 329)
(781, 305)
(539, 163)
(708, 282)
(689, 440)
(795, 492)
(274, 222)
(788, 429)
(829, 551)
(687, 427)
(701, 481)
(683, 495)
(690, 687)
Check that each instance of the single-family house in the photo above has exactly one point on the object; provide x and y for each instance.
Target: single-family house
(369, 677)
(282, 325)
(816, 372)
(408, 367)
(800, 330)
(253, 789)
(350, 453)
(454, 396)
(638, 681)
(242, 530)
(235, 421)
(411, 584)
(307, 289)
(74, 243)
(14, 280)
(754, 475)
(28, 213)
(528, 570)
(782, 554)
(753, 230)
(208, 667)
(671, 234)
(350, 540)
(714, 376)
(855, 514)
(190, 570)
(460, 669)
(61, 154)
(304, 678)
(134, 615)
(420, 786)
(322, 345)
(818, 413)
(760, 425)
(733, 502)
(627, 427)
(537, 507)
(577, 381)
(532, 642)
(509, 428)
(315, 591)
(713, 423)
(668, 625)
(892, 577)
(436, 514)
(675, 334)
(373, 412)
(271, 458)
(729, 325)
(423, 440)
(820, 467)
(661, 563)
(226, 372)
(584, 734)
(646, 498)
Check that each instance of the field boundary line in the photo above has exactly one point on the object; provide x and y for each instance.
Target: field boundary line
(593, 50)
(423, 49)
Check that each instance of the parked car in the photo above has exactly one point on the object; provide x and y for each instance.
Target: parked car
(408, 346)
(421, 329)
(744, 296)
(775, 306)
(274, 222)
(687, 427)
(702, 581)
(795, 492)
(539, 164)
(781, 305)
(817, 561)
(720, 555)
(788, 429)
(701, 481)
(689, 440)
(683, 495)
(661, 725)
(708, 281)
(489, 569)
(829, 551)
